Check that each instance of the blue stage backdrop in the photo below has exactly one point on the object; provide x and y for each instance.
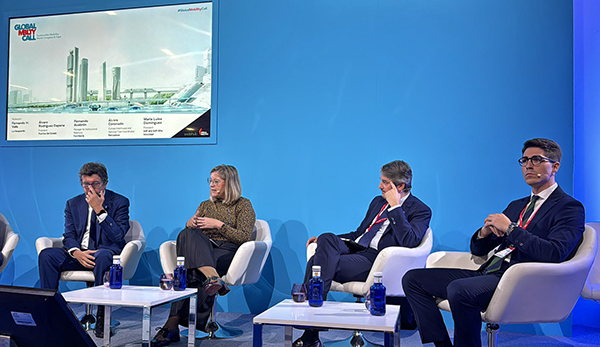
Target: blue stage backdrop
(313, 97)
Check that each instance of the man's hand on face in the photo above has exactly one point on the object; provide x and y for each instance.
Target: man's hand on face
(94, 199)
(392, 196)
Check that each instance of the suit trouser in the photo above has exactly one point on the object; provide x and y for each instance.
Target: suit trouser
(199, 251)
(339, 263)
(52, 261)
(468, 292)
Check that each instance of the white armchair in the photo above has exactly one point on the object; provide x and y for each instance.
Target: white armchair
(528, 292)
(591, 289)
(246, 268)
(10, 241)
(130, 258)
(394, 262)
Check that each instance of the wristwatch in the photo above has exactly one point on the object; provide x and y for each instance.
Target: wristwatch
(103, 211)
(511, 226)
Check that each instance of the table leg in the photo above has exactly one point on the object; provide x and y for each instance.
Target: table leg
(192, 322)
(146, 326)
(257, 335)
(106, 328)
(289, 335)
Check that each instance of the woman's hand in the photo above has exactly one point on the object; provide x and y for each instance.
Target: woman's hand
(192, 223)
(209, 223)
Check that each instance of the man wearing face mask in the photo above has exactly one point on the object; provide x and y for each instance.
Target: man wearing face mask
(95, 226)
(395, 218)
(545, 226)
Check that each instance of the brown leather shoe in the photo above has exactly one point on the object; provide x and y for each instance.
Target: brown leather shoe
(212, 285)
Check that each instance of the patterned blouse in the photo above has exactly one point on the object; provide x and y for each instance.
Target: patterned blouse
(238, 217)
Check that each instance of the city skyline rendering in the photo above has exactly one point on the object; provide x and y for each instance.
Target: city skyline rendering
(158, 47)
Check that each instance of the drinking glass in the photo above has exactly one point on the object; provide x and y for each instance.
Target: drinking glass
(106, 279)
(166, 281)
(298, 292)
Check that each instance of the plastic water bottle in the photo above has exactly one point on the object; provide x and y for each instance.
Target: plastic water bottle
(180, 275)
(315, 288)
(377, 296)
(116, 273)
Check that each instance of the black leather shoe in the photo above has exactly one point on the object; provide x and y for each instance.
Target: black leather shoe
(224, 289)
(99, 328)
(408, 325)
(300, 343)
(164, 337)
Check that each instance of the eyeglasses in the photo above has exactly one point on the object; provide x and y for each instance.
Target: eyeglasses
(93, 184)
(216, 182)
(536, 160)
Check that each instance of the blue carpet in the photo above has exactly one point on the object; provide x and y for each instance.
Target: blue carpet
(129, 333)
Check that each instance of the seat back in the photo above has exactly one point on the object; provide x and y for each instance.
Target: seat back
(591, 289)
(11, 239)
(133, 250)
(401, 260)
(249, 260)
(542, 292)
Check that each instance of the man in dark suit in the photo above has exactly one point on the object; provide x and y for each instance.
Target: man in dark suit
(95, 226)
(396, 218)
(544, 227)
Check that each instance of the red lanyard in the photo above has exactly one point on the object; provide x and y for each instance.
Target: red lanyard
(377, 220)
(530, 217)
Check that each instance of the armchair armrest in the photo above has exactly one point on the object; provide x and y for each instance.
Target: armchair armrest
(168, 256)
(461, 260)
(10, 244)
(130, 258)
(394, 262)
(310, 250)
(247, 263)
(47, 242)
(536, 292)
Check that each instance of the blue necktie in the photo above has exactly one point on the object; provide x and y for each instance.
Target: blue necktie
(93, 233)
(368, 235)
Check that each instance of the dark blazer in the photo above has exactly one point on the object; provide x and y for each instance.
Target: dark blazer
(109, 234)
(553, 234)
(408, 223)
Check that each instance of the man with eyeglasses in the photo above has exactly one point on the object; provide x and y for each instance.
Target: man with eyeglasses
(544, 227)
(95, 226)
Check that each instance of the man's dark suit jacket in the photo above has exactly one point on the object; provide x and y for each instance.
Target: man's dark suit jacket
(109, 234)
(553, 234)
(408, 223)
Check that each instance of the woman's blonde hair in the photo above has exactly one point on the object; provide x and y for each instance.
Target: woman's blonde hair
(233, 188)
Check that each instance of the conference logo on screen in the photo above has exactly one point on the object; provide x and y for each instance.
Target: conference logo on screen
(26, 31)
(194, 9)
